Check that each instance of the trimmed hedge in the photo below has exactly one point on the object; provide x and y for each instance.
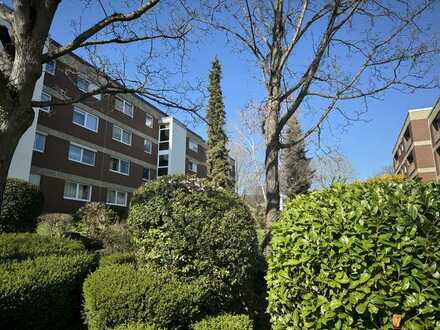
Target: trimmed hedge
(26, 245)
(22, 204)
(43, 293)
(135, 326)
(195, 230)
(118, 258)
(120, 294)
(352, 256)
(225, 322)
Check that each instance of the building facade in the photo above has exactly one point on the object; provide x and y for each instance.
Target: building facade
(417, 150)
(100, 149)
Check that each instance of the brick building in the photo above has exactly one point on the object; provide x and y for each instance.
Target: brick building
(417, 150)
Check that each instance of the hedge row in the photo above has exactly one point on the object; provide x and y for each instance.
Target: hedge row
(225, 322)
(120, 294)
(43, 293)
(352, 256)
(26, 245)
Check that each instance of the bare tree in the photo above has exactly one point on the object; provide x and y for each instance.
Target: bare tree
(385, 170)
(324, 52)
(331, 167)
(24, 49)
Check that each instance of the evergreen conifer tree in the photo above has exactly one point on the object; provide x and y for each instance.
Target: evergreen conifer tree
(219, 168)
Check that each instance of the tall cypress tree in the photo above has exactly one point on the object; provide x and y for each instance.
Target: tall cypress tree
(219, 169)
(296, 171)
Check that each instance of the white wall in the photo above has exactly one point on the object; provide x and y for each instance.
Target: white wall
(177, 153)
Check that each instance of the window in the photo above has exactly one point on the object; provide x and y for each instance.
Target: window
(40, 142)
(77, 191)
(124, 106)
(51, 67)
(115, 197)
(146, 174)
(163, 165)
(121, 135)
(85, 119)
(82, 155)
(149, 121)
(82, 84)
(45, 98)
(148, 146)
(193, 146)
(119, 166)
(192, 167)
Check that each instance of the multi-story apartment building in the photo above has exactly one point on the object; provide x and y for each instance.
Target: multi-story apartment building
(102, 148)
(417, 150)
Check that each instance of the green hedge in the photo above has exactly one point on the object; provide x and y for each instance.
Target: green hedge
(22, 204)
(27, 245)
(225, 322)
(135, 326)
(352, 256)
(118, 258)
(195, 230)
(43, 293)
(120, 294)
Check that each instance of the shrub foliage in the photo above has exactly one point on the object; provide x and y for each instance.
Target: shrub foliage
(22, 204)
(352, 256)
(225, 322)
(26, 245)
(42, 293)
(120, 294)
(189, 227)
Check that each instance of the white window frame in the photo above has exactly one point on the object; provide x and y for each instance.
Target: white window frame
(148, 141)
(54, 67)
(82, 154)
(193, 146)
(149, 118)
(44, 144)
(193, 166)
(122, 131)
(119, 166)
(76, 198)
(124, 104)
(116, 197)
(86, 115)
(48, 108)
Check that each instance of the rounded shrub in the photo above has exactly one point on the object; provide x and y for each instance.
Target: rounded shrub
(225, 322)
(355, 256)
(43, 293)
(54, 224)
(94, 218)
(22, 204)
(17, 246)
(195, 230)
(120, 294)
(135, 326)
(118, 258)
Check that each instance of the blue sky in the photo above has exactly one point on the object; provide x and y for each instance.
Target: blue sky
(367, 144)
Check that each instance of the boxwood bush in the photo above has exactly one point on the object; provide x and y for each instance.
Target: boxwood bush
(120, 294)
(352, 256)
(118, 258)
(135, 326)
(22, 204)
(43, 293)
(225, 322)
(195, 230)
(28, 245)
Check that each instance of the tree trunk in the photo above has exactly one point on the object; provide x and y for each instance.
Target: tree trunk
(271, 167)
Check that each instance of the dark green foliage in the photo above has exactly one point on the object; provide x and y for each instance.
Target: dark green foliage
(351, 256)
(296, 172)
(118, 258)
(43, 293)
(219, 167)
(26, 245)
(22, 204)
(225, 322)
(135, 326)
(120, 294)
(195, 230)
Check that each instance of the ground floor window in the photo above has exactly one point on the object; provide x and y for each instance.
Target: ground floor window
(77, 191)
(115, 197)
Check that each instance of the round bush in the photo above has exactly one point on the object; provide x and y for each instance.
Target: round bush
(22, 204)
(26, 245)
(120, 294)
(54, 224)
(352, 256)
(189, 227)
(118, 258)
(225, 322)
(43, 293)
(94, 218)
(135, 326)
